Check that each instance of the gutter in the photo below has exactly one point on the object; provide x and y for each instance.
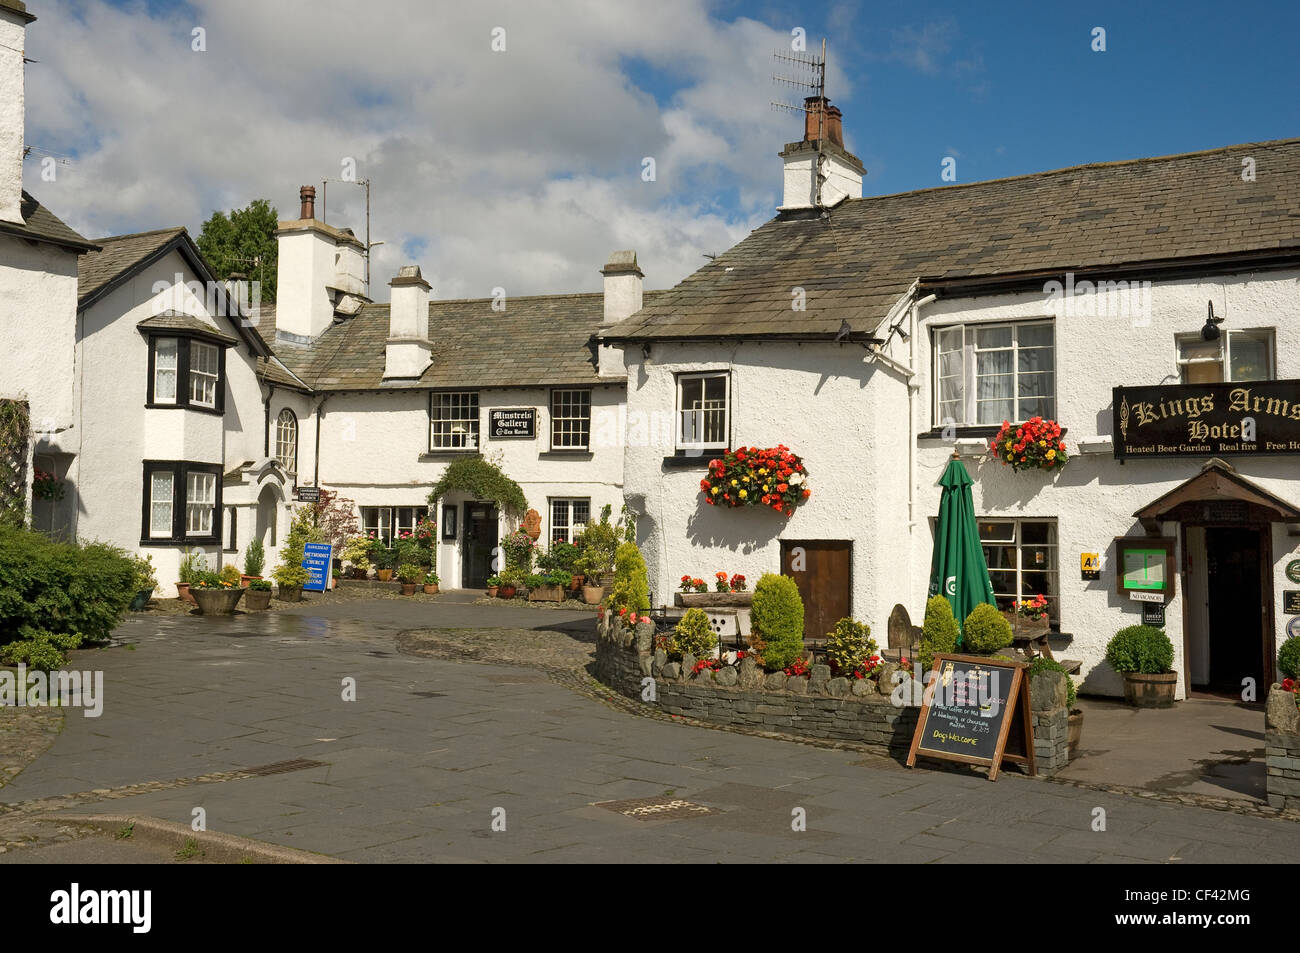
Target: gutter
(316, 462)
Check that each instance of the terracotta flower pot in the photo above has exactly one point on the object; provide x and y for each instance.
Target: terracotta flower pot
(245, 580)
(183, 593)
(217, 601)
(507, 592)
(576, 582)
(408, 588)
(257, 599)
(492, 591)
(1150, 691)
(593, 594)
(431, 590)
(384, 575)
(1076, 731)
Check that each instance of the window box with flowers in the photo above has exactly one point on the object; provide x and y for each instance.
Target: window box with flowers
(46, 486)
(728, 592)
(771, 478)
(1029, 618)
(1037, 444)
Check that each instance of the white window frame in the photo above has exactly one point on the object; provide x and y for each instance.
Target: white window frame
(202, 380)
(286, 444)
(571, 528)
(679, 432)
(200, 507)
(579, 425)
(155, 500)
(1017, 541)
(158, 370)
(1224, 359)
(969, 374)
(470, 438)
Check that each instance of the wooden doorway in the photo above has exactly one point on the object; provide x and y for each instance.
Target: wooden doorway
(823, 571)
(478, 542)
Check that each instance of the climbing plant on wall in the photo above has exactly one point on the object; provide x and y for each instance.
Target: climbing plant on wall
(15, 432)
(483, 480)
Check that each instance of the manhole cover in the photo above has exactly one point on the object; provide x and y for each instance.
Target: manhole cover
(284, 767)
(655, 808)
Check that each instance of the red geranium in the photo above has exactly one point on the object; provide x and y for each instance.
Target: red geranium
(754, 476)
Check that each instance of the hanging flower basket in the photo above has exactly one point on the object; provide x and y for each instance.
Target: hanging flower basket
(772, 478)
(1037, 444)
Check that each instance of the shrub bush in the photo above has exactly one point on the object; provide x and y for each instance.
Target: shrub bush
(518, 548)
(260, 585)
(986, 630)
(145, 579)
(409, 572)
(254, 558)
(848, 646)
(229, 574)
(60, 593)
(192, 563)
(1043, 663)
(1143, 649)
(356, 553)
(598, 549)
(631, 589)
(938, 631)
(1288, 657)
(777, 617)
(693, 634)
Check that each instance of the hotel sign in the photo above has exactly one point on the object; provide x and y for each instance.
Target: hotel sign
(1260, 417)
(512, 422)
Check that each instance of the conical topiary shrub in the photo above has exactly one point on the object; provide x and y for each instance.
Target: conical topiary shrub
(986, 630)
(777, 617)
(938, 631)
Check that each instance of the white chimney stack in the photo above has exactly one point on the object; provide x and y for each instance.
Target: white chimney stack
(13, 40)
(319, 273)
(407, 352)
(622, 300)
(840, 173)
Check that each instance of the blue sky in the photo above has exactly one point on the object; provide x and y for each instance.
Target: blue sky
(522, 168)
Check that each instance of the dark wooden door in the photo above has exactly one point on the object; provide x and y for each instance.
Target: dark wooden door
(478, 541)
(1236, 596)
(822, 569)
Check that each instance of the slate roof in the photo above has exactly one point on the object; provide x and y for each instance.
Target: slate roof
(538, 340)
(40, 224)
(179, 321)
(855, 264)
(117, 255)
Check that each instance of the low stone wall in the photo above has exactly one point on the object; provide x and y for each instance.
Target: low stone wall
(836, 709)
(1282, 750)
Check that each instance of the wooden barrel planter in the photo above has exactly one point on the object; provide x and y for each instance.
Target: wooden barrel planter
(217, 601)
(1150, 691)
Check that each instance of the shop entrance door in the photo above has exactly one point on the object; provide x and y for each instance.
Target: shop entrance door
(1238, 646)
(478, 542)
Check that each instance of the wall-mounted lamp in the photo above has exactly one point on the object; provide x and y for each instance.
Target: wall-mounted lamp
(1211, 330)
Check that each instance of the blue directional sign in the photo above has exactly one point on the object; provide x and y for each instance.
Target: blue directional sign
(317, 559)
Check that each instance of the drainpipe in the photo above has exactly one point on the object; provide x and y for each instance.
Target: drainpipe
(316, 462)
(266, 421)
(912, 387)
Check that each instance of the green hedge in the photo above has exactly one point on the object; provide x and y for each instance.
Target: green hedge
(938, 631)
(986, 630)
(631, 589)
(58, 594)
(777, 617)
(1288, 657)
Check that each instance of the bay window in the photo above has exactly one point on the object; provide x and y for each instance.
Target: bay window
(185, 371)
(182, 502)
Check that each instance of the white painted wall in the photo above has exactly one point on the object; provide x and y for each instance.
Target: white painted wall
(305, 266)
(12, 43)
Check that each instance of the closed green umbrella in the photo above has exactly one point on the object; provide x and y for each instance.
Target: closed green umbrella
(958, 570)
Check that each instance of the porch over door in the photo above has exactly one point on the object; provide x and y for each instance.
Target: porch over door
(822, 569)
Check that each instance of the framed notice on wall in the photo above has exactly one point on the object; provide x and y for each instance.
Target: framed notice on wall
(1144, 565)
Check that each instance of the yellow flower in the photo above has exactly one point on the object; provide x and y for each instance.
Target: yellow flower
(766, 488)
(744, 493)
(1008, 444)
(735, 483)
(714, 491)
(1051, 454)
(1042, 443)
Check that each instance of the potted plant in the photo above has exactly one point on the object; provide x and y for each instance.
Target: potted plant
(254, 562)
(192, 563)
(145, 583)
(493, 586)
(356, 553)
(216, 595)
(1037, 444)
(1144, 655)
(259, 595)
(598, 544)
(335, 576)
(408, 573)
(291, 577)
(511, 580)
(547, 588)
(381, 557)
(431, 584)
(1029, 616)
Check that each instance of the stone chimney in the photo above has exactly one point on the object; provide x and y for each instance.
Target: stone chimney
(407, 352)
(622, 300)
(820, 163)
(320, 274)
(13, 41)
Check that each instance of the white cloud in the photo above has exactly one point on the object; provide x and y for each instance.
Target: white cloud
(519, 169)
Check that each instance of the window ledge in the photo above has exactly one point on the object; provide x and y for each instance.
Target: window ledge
(685, 461)
(565, 455)
(448, 454)
(942, 433)
(194, 407)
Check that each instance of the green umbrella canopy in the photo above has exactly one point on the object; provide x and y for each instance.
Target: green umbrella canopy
(958, 570)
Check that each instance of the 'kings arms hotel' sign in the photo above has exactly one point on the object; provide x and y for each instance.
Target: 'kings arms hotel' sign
(1207, 419)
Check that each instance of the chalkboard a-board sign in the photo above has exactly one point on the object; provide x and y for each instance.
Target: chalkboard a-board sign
(975, 710)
